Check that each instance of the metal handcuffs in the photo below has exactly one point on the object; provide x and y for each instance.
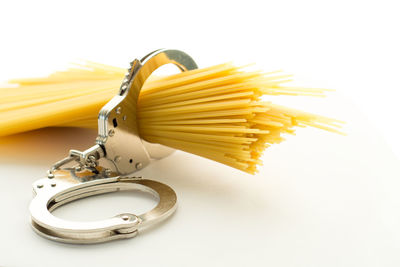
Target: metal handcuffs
(118, 145)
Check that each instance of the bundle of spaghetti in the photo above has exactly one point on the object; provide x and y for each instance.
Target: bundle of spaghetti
(214, 112)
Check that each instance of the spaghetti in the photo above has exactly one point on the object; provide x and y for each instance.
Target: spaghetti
(214, 112)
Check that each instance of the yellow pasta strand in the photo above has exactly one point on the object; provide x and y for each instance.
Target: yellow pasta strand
(214, 112)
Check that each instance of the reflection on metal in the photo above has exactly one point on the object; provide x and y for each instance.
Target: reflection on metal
(69, 185)
(119, 144)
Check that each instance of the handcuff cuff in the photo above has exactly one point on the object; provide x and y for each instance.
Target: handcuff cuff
(118, 145)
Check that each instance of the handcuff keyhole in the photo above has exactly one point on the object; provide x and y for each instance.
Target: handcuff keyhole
(131, 160)
(115, 123)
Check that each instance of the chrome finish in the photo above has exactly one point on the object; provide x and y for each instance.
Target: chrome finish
(118, 138)
(118, 131)
(119, 143)
(68, 185)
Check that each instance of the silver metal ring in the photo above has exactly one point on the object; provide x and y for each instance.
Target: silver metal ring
(119, 143)
(67, 186)
(117, 119)
(118, 139)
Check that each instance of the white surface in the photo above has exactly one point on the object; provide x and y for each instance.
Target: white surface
(320, 200)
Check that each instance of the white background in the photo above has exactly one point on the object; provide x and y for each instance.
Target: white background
(320, 200)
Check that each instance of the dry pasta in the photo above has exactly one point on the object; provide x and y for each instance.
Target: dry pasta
(214, 112)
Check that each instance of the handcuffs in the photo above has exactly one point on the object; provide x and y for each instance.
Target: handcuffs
(118, 145)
